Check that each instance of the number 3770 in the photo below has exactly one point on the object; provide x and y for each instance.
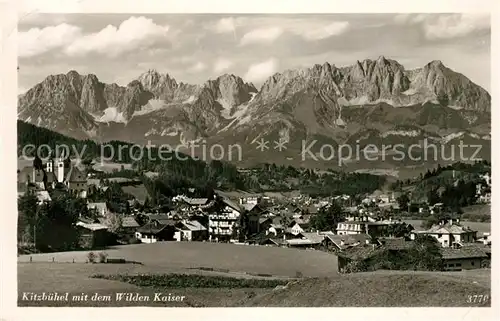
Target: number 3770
(478, 298)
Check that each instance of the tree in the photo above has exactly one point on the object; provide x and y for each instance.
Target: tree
(425, 254)
(27, 219)
(241, 228)
(327, 217)
(114, 222)
(399, 229)
(56, 223)
(443, 99)
(403, 201)
(436, 219)
(87, 162)
(433, 197)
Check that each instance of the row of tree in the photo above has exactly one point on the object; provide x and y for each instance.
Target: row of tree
(50, 226)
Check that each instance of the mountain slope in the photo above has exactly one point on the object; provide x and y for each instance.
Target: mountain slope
(368, 101)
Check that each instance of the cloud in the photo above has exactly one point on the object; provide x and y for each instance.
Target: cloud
(198, 67)
(261, 35)
(222, 64)
(323, 32)
(446, 26)
(30, 18)
(37, 41)
(132, 34)
(457, 25)
(260, 71)
(224, 25)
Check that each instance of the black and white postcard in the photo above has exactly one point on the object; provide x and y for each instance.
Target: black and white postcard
(211, 157)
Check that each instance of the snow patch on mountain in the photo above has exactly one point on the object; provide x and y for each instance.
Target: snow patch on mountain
(446, 139)
(364, 100)
(226, 108)
(150, 132)
(188, 142)
(111, 114)
(91, 133)
(340, 122)
(284, 134)
(241, 115)
(190, 100)
(151, 106)
(166, 133)
(409, 92)
(407, 133)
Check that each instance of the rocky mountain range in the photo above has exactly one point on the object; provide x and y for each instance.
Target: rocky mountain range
(370, 101)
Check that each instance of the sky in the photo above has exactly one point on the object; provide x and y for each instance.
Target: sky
(193, 48)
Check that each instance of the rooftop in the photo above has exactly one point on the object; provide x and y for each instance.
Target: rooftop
(129, 221)
(314, 237)
(349, 240)
(448, 229)
(193, 226)
(464, 252)
(100, 206)
(151, 228)
(75, 175)
(396, 243)
(92, 226)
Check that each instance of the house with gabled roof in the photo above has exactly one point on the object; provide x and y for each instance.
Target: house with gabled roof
(341, 242)
(76, 181)
(101, 208)
(449, 234)
(190, 230)
(467, 257)
(154, 231)
(93, 235)
(221, 222)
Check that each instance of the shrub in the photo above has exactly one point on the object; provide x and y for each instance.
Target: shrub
(91, 257)
(102, 257)
(191, 281)
(133, 240)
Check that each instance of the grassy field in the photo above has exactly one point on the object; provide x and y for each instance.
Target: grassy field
(381, 288)
(169, 257)
(178, 256)
(477, 209)
(321, 285)
(76, 278)
(384, 289)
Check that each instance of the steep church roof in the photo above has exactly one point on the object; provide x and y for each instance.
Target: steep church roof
(75, 175)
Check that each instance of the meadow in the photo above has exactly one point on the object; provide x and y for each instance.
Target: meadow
(179, 256)
(319, 285)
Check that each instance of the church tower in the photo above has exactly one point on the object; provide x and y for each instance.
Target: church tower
(60, 169)
(49, 167)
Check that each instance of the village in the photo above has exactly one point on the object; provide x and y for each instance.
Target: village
(354, 229)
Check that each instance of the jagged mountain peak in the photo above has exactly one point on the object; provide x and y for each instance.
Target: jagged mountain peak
(73, 73)
(314, 99)
(162, 86)
(436, 63)
(230, 90)
(135, 84)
